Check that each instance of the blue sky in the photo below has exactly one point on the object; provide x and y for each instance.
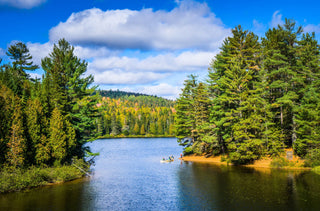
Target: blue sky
(146, 46)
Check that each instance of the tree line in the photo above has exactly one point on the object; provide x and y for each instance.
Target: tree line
(47, 121)
(262, 95)
(135, 115)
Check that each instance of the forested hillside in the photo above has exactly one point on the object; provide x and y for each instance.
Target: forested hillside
(135, 115)
(262, 96)
(141, 99)
(45, 122)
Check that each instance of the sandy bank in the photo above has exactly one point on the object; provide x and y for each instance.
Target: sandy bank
(262, 163)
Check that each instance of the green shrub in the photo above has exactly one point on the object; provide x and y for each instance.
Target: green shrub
(188, 150)
(18, 179)
(279, 162)
(316, 170)
(312, 158)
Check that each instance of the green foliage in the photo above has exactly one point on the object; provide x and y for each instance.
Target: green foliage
(260, 97)
(45, 123)
(316, 170)
(12, 179)
(188, 150)
(130, 115)
(312, 158)
(279, 162)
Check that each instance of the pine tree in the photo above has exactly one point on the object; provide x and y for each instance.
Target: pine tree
(142, 130)
(280, 64)
(6, 115)
(70, 92)
(136, 129)
(17, 143)
(233, 81)
(308, 82)
(184, 117)
(57, 137)
(22, 60)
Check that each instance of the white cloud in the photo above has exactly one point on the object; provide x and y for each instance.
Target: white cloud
(163, 89)
(35, 75)
(22, 4)
(189, 26)
(312, 28)
(186, 61)
(123, 77)
(2, 52)
(93, 52)
(38, 51)
(276, 20)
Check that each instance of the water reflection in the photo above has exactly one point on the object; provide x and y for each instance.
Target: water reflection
(129, 176)
(218, 187)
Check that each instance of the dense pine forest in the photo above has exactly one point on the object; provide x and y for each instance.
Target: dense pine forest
(128, 114)
(261, 96)
(45, 122)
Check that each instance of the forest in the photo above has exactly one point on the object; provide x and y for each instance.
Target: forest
(45, 122)
(134, 115)
(261, 96)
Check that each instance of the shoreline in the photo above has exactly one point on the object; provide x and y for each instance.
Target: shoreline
(135, 136)
(262, 163)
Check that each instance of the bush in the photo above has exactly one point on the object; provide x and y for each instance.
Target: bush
(18, 179)
(188, 150)
(316, 170)
(312, 158)
(279, 162)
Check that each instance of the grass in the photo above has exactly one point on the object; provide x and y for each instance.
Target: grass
(19, 179)
(316, 170)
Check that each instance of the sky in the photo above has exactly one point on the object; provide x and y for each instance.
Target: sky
(145, 46)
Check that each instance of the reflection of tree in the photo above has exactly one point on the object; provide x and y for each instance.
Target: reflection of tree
(208, 186)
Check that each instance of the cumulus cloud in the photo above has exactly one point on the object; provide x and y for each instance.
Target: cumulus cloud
(312, 28)
(39, 51)
(35, 75)
(276, 19)
(22, 4)
(191, 25)
(93, 52)
(163, 89)
(2, 52)
(185, 61)
(122, 77)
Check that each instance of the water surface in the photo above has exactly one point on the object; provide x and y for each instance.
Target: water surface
(128, 175)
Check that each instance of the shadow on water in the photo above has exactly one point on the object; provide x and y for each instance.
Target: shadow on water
(67, 196)
(220, 187)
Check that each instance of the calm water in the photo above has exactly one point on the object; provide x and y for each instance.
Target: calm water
(129, 176)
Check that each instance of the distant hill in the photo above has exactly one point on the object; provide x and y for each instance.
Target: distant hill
(139, 98)
(115, 94)
(132, 114)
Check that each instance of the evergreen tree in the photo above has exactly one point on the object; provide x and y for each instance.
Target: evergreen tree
(17, 143)
(57, 137)
(280, 64)
(6, 114)
(233, 80)
(142, 130)
(307, 110)
(69, 92)
(22, 60)
(184, 117)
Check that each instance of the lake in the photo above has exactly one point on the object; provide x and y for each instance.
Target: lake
(128, 175)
